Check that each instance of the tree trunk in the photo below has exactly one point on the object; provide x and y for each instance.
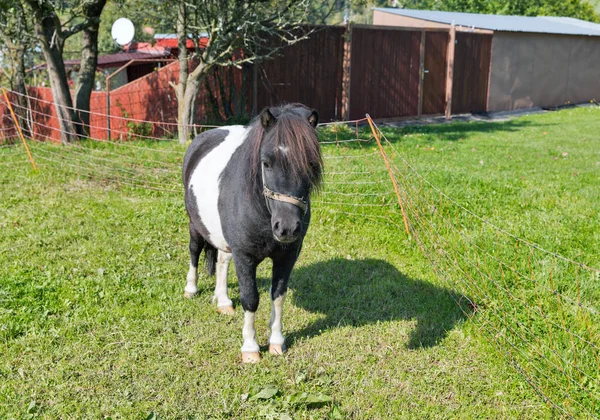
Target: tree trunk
(17, 58)
(86, 79)
(87, 72)
(62, 96)
(52, 46)
(186, 109)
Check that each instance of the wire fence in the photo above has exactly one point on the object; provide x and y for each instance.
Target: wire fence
(535, 307)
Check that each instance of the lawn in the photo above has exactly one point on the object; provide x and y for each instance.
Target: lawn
(93, 259)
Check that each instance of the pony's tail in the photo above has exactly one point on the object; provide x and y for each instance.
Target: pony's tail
(210, 258)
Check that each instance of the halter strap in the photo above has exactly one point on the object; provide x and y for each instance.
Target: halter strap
(286, 198)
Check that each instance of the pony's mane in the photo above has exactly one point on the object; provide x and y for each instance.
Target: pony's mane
(292, 131)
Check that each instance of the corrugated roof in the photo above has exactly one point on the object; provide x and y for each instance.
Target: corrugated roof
(171, 40)
(539, 24)
(174, 36)
(112, 60)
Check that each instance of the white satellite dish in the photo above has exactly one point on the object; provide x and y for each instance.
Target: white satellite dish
(122, 31)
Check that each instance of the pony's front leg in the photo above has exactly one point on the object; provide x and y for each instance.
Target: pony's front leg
(246, 272)
(224, 304)
(282, 269)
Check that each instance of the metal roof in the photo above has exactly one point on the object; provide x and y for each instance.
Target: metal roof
(174, 36)
(111, 60)
(538, 24)
(171, 40)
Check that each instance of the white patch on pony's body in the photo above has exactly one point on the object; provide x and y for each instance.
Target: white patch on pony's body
(284, 149)
(204, 183)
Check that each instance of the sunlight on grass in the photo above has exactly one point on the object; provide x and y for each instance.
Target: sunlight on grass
(93, 257)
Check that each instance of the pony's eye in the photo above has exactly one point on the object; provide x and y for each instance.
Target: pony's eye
(265, 164)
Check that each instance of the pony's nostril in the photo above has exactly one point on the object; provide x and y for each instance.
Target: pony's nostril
(287, 231)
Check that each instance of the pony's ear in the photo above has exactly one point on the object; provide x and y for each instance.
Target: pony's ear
(266, 118)
(313, 118)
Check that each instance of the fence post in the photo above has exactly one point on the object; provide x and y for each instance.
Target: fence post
(389, 168)
(255, 88)
(450, 71)
(12, 112)
(421, 73)
(346, 70)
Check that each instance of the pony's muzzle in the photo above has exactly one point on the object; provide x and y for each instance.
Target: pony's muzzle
(286, 231)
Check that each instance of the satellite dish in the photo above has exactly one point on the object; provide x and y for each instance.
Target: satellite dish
(122, 31)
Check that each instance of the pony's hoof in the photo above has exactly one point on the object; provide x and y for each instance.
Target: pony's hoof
(226, 310)
(277, 349)
(189, 295)
(250, 357)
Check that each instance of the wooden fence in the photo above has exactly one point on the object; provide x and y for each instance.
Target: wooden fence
(384, 73)
(309, 72)
(342, 72)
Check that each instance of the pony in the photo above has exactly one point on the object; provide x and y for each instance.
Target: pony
(247, 195)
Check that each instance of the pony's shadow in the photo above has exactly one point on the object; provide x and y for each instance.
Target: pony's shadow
(361, 292)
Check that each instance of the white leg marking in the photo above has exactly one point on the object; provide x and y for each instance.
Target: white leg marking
(191, 287)
(220, 295)
(249, 334)
(276, 324)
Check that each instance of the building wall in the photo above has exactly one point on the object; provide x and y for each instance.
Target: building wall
(390, 19)
(530, 70)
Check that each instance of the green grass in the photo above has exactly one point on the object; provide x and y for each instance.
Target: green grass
(596, 5)
(93, 258)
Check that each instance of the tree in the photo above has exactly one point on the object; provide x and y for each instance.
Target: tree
(157, 15)
(238, 32)
(51, 33)
(89, 61)
(579, 9)
(14, 27)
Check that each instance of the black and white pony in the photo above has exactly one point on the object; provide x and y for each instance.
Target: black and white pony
(247, 194)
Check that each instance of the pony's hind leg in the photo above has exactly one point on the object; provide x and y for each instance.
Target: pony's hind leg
(224, 304)
(196, 245)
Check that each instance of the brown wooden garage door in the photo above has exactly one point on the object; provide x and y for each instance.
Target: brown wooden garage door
(384, 76)
(471, 72)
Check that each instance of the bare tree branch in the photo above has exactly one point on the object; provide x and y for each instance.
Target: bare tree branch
(239, 32)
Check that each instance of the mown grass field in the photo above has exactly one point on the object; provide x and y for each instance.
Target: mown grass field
(93, 323)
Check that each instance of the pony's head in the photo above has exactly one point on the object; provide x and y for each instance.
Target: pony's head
(289, 163)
